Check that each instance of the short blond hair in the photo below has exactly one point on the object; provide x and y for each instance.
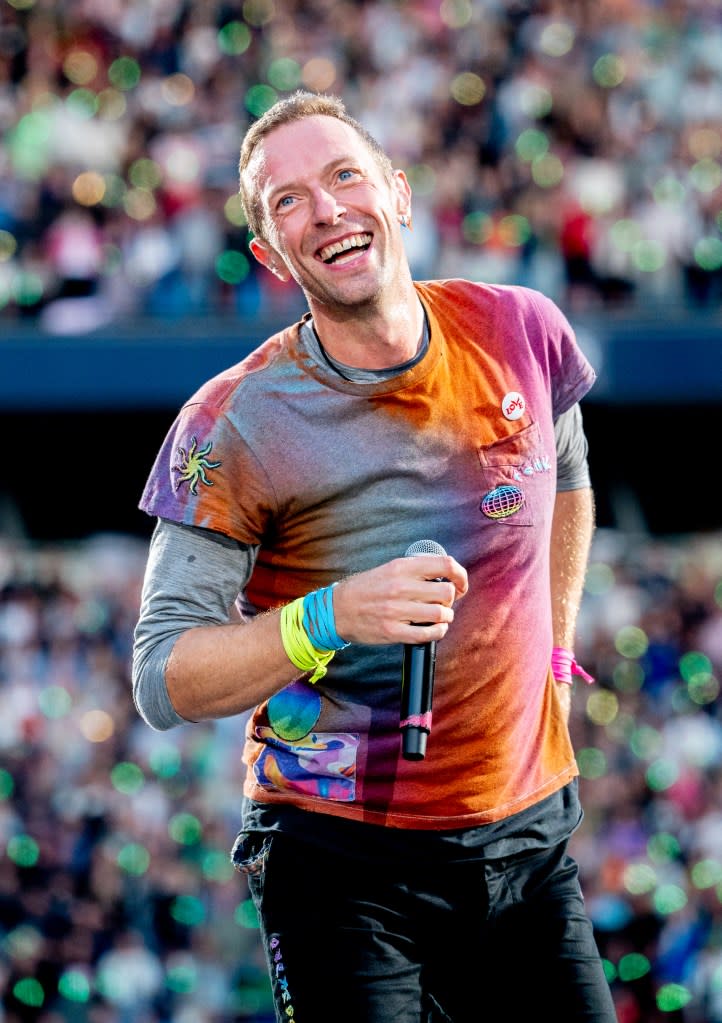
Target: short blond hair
(292, 108)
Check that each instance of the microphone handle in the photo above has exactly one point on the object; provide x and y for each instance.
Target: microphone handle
(417, 690)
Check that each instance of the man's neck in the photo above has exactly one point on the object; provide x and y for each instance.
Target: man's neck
(379, 340)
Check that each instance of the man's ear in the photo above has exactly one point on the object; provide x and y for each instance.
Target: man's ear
(403, 197)
(268, 257)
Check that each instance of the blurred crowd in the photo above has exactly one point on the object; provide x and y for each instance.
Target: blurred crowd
(572, 145)
(118, 903)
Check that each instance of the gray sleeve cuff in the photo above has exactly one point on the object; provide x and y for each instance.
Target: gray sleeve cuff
(192, 578)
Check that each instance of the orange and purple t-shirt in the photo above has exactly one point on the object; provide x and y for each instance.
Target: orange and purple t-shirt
(328, 477)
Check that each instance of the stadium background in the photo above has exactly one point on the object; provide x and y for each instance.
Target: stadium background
(573, 147)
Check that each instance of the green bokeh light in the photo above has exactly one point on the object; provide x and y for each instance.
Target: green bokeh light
(83, 103)
(639, 879)
(246, 915)
(592, 763)
(645, 742)
(29, 992)
(708, 253)
(706, 874)
(631, 641)
(704, 690)
(602, 706)
(232, 266)
(633, 966)
(182, 978)
(599, 578)
(649, 256)
(23, 850)
(188, 910)
(663, 847)
(476, 227)
(165, 760)
(55, 701)
(216, 865)
(145, 173)
(127, 777)
(124, 73)
(28, 144)
(27, 288)
(662, 774)
(695, 668)
(673, 997)
(74, 986)
(284, 74)
(514, 230)
(706, 175)
(610, 970)
(625, 234)
(7, 784)
(134, 859)
(669, 191)
(259, 99)
(185, 829)
(258, 12)
(628, 676)
(547, 170)
(115, 191)
(234, 38)
(609, 71)
(669, 898)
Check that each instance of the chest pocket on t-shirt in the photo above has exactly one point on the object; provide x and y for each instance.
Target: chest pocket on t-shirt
(517, 477)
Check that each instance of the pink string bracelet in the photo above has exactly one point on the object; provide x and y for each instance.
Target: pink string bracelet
(564, 665)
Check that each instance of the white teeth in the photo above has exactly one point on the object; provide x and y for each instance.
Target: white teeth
(352, 242)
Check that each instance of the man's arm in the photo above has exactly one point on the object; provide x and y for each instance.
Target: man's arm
(571, 538)
(192, 662)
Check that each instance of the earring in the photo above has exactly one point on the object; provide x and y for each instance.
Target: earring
(402, 220)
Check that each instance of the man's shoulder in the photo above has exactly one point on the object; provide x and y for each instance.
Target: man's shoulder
(454, 297)
(454, 287)
(218, 390)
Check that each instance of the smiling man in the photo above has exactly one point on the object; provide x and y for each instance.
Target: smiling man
(332, 223)
(406, 865)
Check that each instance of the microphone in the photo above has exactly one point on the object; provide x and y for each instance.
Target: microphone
(417, 680)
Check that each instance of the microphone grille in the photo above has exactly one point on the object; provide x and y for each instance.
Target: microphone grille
(424, 547)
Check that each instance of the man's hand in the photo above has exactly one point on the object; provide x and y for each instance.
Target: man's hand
(401, 601)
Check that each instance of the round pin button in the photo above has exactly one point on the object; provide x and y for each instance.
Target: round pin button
(513, 405)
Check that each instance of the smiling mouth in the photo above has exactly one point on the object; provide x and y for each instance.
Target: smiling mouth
(351, 245)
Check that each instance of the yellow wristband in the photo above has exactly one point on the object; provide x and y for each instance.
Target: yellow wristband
(299, 648)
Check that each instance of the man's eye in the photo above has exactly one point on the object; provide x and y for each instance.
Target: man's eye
(346, 175)
(285, 202)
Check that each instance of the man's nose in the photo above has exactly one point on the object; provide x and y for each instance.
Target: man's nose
(326, 207)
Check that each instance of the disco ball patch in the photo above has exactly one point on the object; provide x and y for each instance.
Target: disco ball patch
(501, 502)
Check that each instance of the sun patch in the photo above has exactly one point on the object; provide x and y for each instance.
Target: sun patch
(193, 465)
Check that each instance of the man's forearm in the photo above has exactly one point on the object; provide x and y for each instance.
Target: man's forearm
(572, 531)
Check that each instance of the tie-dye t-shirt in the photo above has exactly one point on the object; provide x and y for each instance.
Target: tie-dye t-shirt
(332, 477)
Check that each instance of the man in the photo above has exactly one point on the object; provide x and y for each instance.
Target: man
(381, 476)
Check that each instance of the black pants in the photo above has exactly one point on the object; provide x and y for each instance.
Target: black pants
(351, 938)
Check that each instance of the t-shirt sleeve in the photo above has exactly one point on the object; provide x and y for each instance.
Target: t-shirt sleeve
(206, 475)
(572, 450)
(571, 373)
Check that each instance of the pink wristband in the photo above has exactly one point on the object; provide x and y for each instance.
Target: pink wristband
(564, 665)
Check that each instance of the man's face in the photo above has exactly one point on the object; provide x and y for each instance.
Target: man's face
(330, 213)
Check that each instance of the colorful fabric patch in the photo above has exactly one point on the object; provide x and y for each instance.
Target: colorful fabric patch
(323, 764)
(501, 502)
(294, 711)
(193, 465)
